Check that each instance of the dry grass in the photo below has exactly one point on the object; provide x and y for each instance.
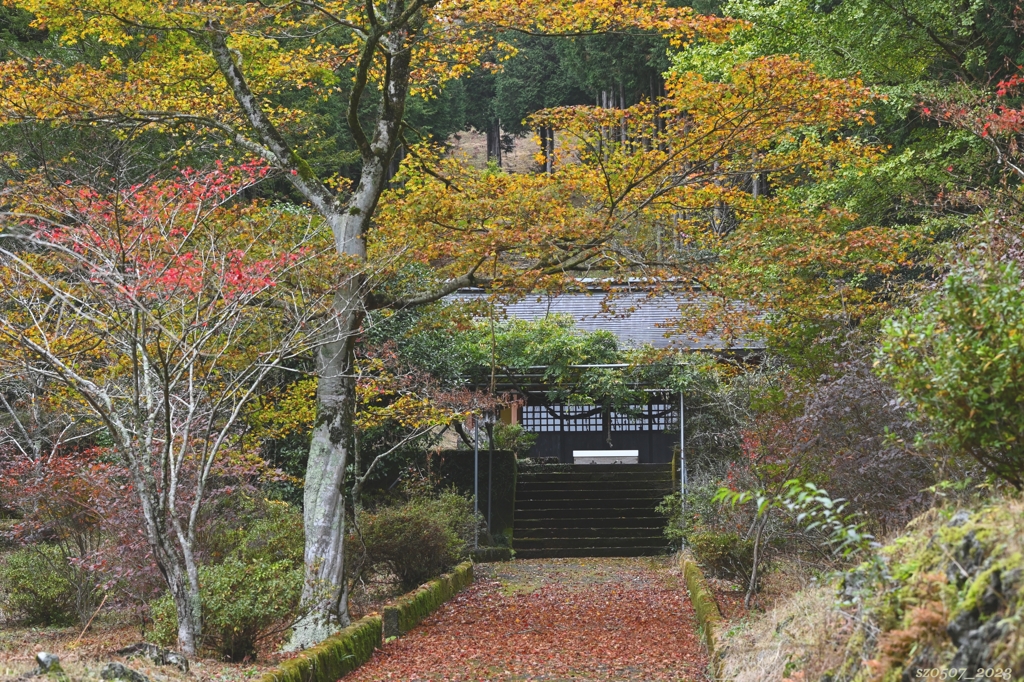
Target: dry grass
(83, 659)
(766, 647)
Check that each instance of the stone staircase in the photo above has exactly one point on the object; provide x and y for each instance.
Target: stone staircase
(590, 510)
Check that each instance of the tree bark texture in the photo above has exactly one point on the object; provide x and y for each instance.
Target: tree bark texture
(324, 597)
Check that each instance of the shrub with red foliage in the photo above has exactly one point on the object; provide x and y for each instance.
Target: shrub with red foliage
(996, 117)
(82, 507)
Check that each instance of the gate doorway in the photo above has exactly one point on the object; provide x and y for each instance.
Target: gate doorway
(651, 430)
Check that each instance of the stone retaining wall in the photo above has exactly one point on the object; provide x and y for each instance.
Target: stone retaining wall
(709, 618)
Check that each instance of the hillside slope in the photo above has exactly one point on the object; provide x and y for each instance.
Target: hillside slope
(948, 594)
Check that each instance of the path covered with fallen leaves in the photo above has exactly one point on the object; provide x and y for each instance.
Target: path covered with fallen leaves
(600, 620)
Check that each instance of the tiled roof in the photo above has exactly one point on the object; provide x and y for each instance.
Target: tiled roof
(634, 317)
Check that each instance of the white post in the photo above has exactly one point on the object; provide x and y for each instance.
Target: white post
(682, 449)
(476, 482)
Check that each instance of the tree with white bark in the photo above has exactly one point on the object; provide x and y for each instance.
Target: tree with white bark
(153, 313)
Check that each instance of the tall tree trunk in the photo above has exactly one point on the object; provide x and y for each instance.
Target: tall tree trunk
(324, 602)
(325, 594)
(324, 598)
(189, 611)
(623, 130)
(180, 572)
(547, 147)
(494, 141)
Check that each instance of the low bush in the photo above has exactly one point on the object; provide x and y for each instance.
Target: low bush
(418, 539)
(35, 588)
(251, 593)
(242, 603)
(702, 529)
(701, 512)
(724, 555)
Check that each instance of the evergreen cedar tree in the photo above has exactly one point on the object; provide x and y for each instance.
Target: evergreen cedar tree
(672, 188)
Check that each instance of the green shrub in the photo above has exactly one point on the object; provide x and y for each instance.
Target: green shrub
(513, 438)
(960, 362)
(724, 555)
(251, 529)
(702, 529)
(255, 589)
(278, 536)
(242, 603)
(418, 539)
(35, 588)
(701, 513)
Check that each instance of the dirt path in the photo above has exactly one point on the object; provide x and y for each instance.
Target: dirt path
(600, 620)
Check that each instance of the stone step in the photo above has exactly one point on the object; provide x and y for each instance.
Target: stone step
(611, 497)
(541, 512)
(590, 552)
(664, 466)
(569, 523)
(653, 533)
(577, 476)
(595, 481)
(600, 505)
(579, 510)
(584, 543)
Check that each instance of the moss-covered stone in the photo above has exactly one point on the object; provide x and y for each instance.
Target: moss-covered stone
(962, 564)
(408, 611)
(947, 594)
(706, 609)
(334, 657)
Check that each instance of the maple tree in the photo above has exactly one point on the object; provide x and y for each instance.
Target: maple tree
(996, 117)
(154, 312)
(672, 191)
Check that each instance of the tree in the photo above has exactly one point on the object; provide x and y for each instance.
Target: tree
(891, 42)
(32, 425)
(996, 118)
(223, 68)
(665, 191)
(153, 312)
